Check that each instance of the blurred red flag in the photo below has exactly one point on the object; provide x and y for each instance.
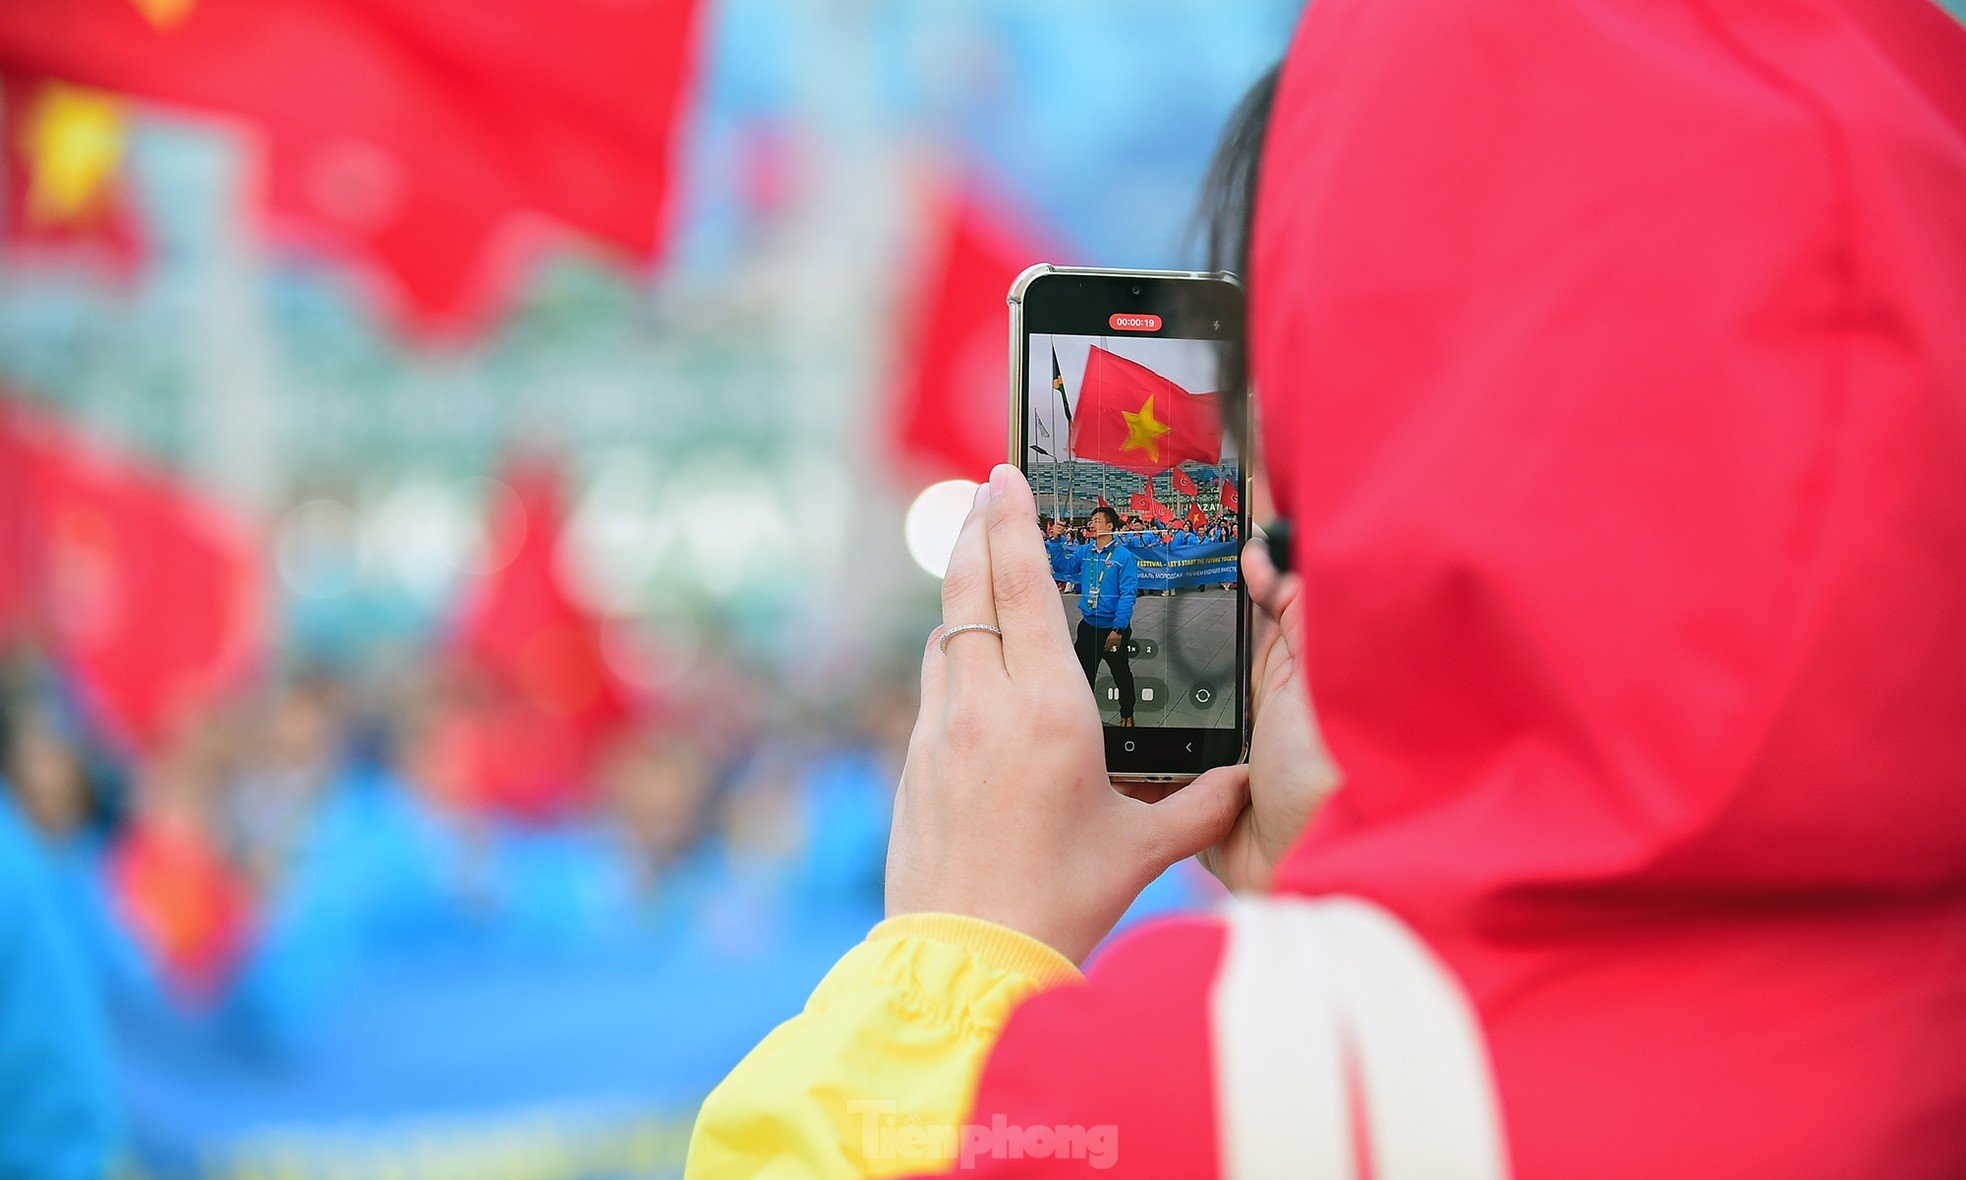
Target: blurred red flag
(64, 164)
(1132, 417)
(188, 907)
(953, 380)
(1103, 503)
(16, 588)
(1227, 488)
(412, 131)
(1196, 516)
(1183, 483)
(147, 593)
(541, 700)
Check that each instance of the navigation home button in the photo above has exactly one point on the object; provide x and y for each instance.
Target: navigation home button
(1127, 746)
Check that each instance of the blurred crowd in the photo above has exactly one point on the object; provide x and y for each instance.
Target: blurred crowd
(276, 840)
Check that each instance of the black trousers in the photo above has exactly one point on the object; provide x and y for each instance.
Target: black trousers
(1091, 645)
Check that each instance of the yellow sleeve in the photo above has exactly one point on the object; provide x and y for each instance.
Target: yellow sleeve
(883, 1059)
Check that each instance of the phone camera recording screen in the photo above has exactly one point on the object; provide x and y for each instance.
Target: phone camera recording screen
(1139, 487)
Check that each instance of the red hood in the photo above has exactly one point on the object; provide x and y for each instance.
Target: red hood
(1614, 358)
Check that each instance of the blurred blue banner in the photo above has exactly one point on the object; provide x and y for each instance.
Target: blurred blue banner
(438, 1066)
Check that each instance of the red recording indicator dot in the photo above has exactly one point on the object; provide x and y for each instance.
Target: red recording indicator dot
(1133, 321)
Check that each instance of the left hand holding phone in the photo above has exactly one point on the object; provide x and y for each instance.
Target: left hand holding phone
(1005, 811)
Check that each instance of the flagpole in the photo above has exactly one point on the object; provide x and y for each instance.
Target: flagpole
(1071, 452)
(1051, 411)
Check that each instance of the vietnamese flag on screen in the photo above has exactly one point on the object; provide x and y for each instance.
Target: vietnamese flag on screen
(1131, 417)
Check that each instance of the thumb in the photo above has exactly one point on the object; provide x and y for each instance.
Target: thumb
(1197, 816)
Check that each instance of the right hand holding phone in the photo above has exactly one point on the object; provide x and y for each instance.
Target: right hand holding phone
(1005, 811)
(1289, 772)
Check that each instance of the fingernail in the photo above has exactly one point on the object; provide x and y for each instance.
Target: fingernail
(1000, 477)
(982, 496)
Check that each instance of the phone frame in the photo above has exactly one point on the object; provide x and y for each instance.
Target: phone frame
(1020, 349)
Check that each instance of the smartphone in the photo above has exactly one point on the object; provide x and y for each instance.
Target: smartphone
(1116, 421)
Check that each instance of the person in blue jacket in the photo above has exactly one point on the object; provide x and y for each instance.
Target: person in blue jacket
(1110, 577)
(1064, 555)
(59, 1118)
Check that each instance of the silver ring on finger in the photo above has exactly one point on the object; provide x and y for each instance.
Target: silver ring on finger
(952, 632)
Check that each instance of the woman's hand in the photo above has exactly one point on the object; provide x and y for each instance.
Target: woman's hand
(1289, 771)
(1005, 811)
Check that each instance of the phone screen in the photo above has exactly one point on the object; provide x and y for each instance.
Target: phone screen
(1124, 436)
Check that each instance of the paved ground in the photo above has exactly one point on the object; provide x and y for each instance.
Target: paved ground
(1185, 663)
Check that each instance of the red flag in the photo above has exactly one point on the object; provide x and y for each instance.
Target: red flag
(417, 130)
(64, 163)
(149, 595)
(1196, 516)
(1103, 503)
(1183, 483)
(16, 528)
(188, 907)
(441, 248)
(954, 375)
(1227, 490)
(1132, 417)
(1147, 508)
(542, 700)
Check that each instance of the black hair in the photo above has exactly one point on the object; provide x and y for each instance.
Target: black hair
(1110, 514)
(1227, 210)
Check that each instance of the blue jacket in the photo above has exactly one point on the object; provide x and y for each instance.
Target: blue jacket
(1064, 559)
(60, 1119)
(1110, 582)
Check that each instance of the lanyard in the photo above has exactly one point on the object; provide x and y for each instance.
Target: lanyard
(1096, 584)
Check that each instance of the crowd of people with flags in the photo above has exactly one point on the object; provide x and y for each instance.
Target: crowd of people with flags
(222, 841)
(238, 861)
(1066, 541)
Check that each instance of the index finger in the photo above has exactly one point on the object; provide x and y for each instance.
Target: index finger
(968, 602)
(1028, 606)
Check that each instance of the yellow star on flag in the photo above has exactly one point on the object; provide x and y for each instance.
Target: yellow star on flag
(163, 13)
(1143, 430)
(74, 138)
